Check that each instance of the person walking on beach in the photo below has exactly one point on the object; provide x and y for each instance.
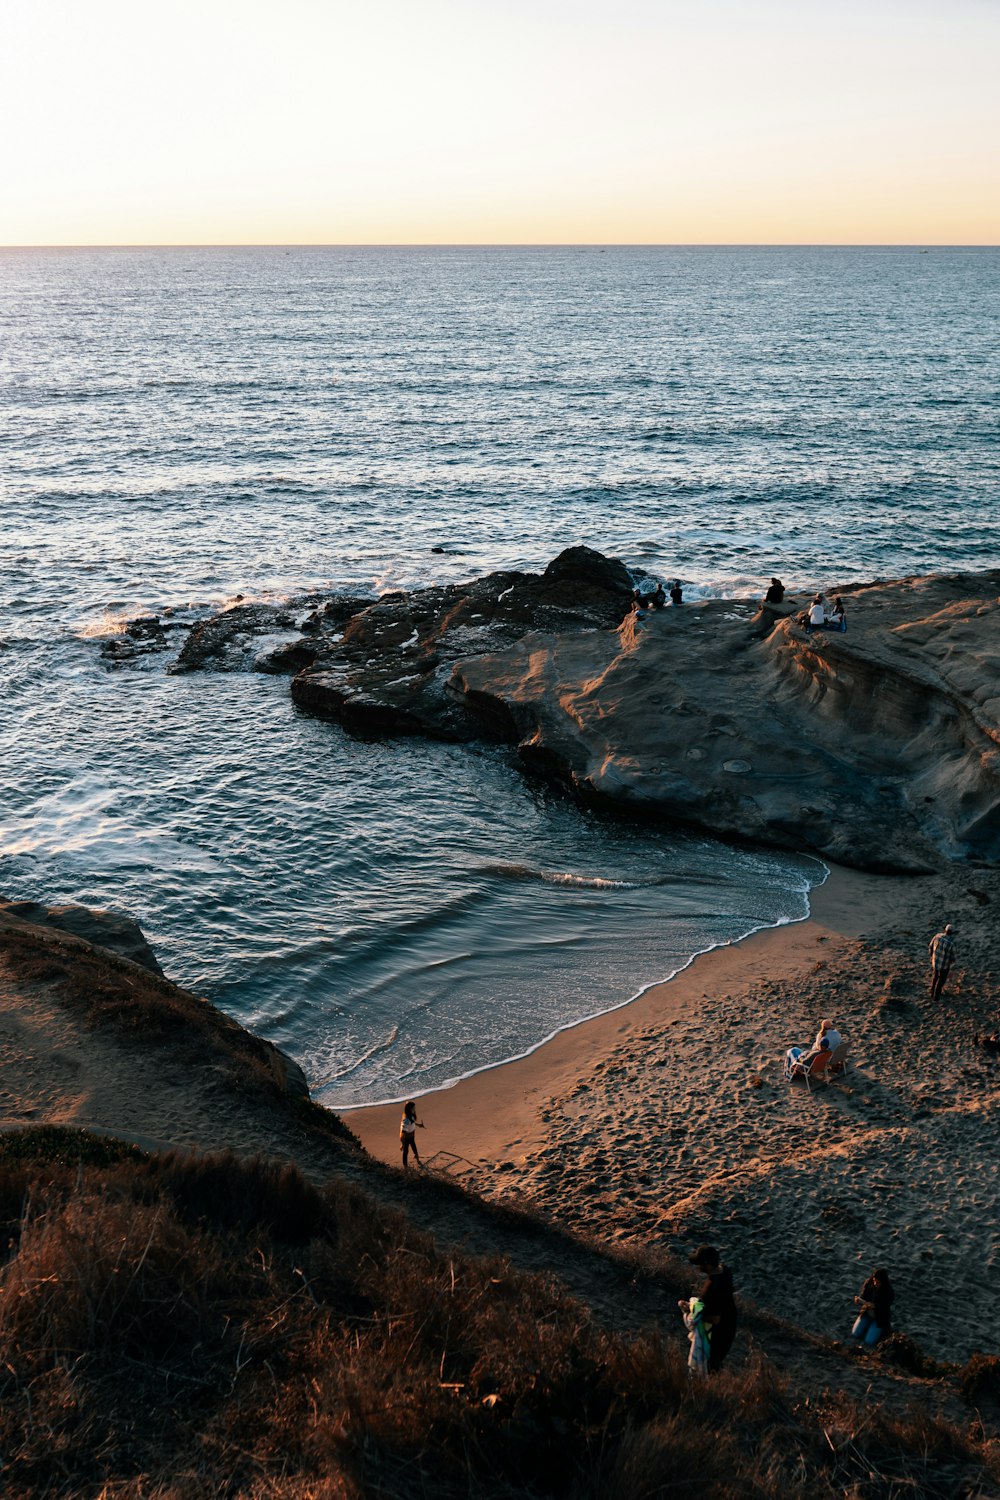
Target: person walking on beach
(717, 1296)
(408, 1132)
(875, 1299)
(942, 950)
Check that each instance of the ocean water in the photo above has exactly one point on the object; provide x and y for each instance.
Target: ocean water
(179, 426)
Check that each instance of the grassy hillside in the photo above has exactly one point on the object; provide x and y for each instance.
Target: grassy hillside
(183, 1326)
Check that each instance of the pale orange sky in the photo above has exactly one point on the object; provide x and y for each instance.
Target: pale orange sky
(444, 121)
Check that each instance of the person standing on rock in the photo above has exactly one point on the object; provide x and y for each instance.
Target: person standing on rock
(408, 1132)
(717, 1295)
(942, 951)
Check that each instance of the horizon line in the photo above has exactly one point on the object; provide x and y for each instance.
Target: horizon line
(506, 245)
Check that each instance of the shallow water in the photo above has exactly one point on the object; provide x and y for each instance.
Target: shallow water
(180, 426)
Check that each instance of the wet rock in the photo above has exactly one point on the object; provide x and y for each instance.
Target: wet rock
(289, 658)
(391, 672)
(226, 641)
(141, 637)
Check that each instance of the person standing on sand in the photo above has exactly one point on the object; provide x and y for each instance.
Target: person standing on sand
(408, 1132)
(942, 951)
(717, 1295)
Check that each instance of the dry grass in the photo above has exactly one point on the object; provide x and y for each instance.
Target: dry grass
(177, 1327)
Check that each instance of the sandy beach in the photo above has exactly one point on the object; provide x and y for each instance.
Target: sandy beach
(668, 1121)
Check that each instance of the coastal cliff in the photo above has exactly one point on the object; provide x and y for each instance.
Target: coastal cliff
(878, 748)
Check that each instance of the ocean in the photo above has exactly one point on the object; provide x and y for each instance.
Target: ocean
(180, 426)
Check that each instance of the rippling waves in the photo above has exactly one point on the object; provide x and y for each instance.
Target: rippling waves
(179, 426)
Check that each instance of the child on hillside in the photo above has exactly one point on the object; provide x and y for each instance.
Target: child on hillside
(408, 1132)
(693, 1313)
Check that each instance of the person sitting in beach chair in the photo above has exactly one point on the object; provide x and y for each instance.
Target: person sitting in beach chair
(813, 1062)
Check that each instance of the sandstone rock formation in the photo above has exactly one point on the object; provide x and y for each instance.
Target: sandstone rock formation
(389, 671)
(878, 748)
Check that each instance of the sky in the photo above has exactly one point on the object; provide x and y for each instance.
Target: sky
(526, 121)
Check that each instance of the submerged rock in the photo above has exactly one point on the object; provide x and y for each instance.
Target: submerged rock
(225, 641)
(143, 636)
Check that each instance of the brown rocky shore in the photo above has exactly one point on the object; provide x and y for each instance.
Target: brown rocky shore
(878, 748)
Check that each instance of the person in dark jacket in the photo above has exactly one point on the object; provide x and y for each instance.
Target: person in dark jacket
(776, 592)
(717, 1294)
(875, 1300)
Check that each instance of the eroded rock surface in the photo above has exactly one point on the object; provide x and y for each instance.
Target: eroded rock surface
(388, 670)
(878, 748)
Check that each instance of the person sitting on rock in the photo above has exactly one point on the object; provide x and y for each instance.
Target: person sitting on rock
(658, 598)
(816, 617)
(676, 593)
(838, 616)
(776, 592)
(875, 1318)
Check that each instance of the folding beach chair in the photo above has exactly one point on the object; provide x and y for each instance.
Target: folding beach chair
(838, 1059)
(813, 1071)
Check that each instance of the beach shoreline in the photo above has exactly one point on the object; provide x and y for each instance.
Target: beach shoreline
(495, 1110)
(668, 1122)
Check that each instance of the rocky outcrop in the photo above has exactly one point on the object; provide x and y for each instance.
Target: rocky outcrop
(146, 635)
(100, 933)
(879, 748)
(227, 640)
(389, 671)
(104, 929)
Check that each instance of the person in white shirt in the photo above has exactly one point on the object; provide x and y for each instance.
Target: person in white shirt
(827, 1034)
(817, 614)
(798, 1059)
(408, 1132)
